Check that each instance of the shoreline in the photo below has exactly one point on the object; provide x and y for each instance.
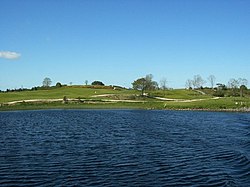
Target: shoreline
(90, 103)
(109, 106)
(244, 110)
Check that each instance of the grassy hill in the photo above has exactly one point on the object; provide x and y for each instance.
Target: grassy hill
(59, 93)
(180, 94)
(107, 97)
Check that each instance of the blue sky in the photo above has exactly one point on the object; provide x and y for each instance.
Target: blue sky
(118, 41)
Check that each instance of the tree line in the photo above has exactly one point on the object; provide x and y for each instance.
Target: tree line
(198, 82)
(237, 86)
(47, 84)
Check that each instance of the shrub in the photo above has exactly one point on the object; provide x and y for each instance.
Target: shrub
(219, 93)
(65, 100)
(97, 83)
(58, 84)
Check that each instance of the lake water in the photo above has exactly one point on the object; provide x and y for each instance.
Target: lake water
(124, 148)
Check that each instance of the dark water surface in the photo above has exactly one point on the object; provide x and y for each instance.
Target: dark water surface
(124, 148)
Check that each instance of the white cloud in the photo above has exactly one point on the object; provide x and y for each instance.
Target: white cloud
(9, 55)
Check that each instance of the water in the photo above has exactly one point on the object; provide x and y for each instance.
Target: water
(124, 148)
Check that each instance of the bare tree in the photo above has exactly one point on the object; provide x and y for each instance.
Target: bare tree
(243, 81)
(233, 83)
(198, 82)
(242, 88)
(236, 83)
(189, 83)
(243, 85)
(86, 82)
(211, 80)
(47, 82)
(163, 83)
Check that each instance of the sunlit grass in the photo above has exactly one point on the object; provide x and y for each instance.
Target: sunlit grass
(179, 94)
(222, 103)
(59, 93)
(78, 92)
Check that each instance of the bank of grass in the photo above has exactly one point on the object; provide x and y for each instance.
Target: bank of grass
(87, 94)
(59, 93)
(211, 104)
(179, 94)
(97, 105)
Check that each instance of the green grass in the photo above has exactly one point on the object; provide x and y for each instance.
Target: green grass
(59, 93)
(222, 103)
(179, 94)
(98, 105)
(227, 92)
(123, 94)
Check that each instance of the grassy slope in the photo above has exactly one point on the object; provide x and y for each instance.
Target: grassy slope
(59, 93)
(180, 94)
(76, 92)
(222, 103)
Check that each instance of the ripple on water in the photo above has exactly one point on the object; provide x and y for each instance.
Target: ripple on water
(124, 148)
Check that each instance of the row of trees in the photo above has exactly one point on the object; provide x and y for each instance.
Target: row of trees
(238, 85)
(147, 83)
(47, 83)
(198, 82)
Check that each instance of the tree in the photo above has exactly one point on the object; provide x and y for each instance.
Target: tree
(243, 85)
(243, 81)
(234, 85)
(146, 83)
(47, 82)
(198, 82)
(86, 82)
(150, 84)
(97, 83)
(211, 80)
(189, 84)
(221, 86)
(242, 88)
(163, 83)
(58, 84)
(140, 84)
